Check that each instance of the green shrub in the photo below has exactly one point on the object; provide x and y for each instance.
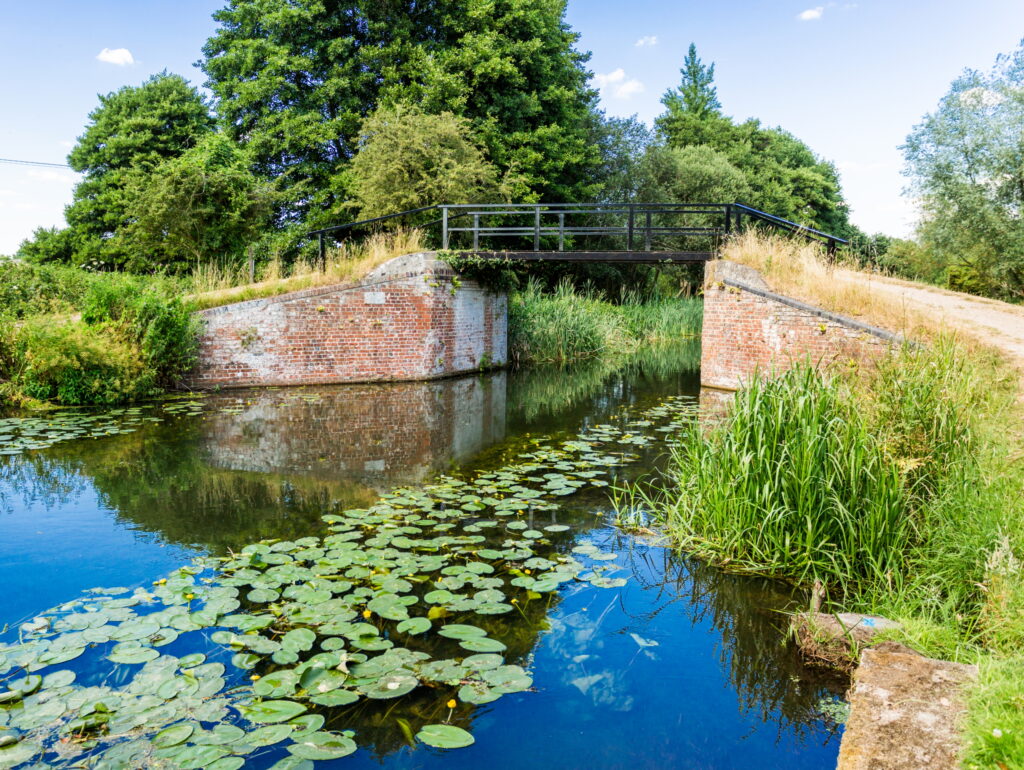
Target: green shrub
(69, 362)
(159, 325)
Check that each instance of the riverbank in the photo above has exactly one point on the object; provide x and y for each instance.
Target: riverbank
(897, 486)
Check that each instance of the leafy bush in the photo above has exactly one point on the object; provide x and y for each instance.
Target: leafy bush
(135, 335)
(160, 326)
(73, 363)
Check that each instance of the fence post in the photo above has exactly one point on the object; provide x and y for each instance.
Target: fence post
(476, 232)
(561, 231)
(831, 249)
(322, 251)
(536, 228)
(728, 218)
(647, 231)
(629, 229)
(252, 266)
(444, 228)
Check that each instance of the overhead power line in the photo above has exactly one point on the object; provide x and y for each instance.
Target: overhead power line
(14, 162)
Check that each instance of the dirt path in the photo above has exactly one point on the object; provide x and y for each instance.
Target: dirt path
(990, 321)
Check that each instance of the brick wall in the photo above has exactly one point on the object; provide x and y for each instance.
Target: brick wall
(748, 329)
(408, 320)
(380, 434)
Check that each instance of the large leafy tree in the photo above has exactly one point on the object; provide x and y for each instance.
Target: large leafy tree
(130, 133)
(966, 162)
(783, 175)
(296, 78)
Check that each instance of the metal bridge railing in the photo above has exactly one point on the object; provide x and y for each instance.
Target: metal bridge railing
(634, 228)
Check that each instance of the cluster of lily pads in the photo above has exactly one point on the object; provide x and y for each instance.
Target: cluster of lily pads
(19, 434)
(22, 434)
(232, 655)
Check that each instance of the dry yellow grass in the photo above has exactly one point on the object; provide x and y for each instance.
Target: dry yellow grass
(348, 263)
(799, 269)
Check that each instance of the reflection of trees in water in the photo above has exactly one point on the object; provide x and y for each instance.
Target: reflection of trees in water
(544, 392)
(156, 479)
(749, 614)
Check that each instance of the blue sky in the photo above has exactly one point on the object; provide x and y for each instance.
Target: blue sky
(849, 78)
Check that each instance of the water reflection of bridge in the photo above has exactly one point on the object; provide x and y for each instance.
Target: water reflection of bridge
(376, 434)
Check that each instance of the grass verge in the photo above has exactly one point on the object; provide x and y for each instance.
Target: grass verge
(899, 486)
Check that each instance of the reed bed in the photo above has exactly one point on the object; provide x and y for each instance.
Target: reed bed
(572, 324)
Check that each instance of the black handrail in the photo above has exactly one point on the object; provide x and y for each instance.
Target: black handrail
(732, 214)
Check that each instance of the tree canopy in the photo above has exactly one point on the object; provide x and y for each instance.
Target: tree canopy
(966, 163)
(130, 133)
(408, 160)
(783, 175)
(296, 79)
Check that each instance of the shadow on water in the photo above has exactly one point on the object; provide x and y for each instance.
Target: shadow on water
(683, 667)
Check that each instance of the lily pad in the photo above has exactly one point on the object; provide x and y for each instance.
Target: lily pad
(445, 737)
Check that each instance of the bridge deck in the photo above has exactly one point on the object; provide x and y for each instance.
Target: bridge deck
(628, 257)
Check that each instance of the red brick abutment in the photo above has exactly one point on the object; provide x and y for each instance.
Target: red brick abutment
(750, 331)
(412, 318)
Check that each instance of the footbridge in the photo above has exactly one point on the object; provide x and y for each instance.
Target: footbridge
(639, 233)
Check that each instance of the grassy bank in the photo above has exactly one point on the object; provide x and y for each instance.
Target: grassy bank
(70, 336)
(899, 486)
(571, 325)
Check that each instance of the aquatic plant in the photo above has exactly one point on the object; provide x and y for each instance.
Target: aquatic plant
(417, 596)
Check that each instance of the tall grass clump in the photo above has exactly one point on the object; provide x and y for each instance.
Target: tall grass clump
(572, 324)
(793, 484)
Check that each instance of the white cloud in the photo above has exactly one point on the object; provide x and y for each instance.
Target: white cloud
(121, 57)
(647, 40)
(66, 143)
(617, 86)
(812, 14)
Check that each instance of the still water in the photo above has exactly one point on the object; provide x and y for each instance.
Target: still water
(682, 667)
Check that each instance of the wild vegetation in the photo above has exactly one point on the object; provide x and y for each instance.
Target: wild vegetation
(571, 325)
(896, 485)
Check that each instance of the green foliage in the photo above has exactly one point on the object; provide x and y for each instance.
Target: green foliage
(783, 175)
(157, 323)
(408, 160)
(695, 94)
(694, 174)
(573, 325)
(792, 484)
(30, 289)
(132, 131)
(69, 362)
(202, 207)
(964, 160)
(297, 80)
(135, 335)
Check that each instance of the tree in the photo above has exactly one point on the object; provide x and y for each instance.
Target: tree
(205, 206)
(295, 80)
(783, 176)
(131, 131)
(690, 174)
(408, 160)
(695, 95)
(966, 163)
